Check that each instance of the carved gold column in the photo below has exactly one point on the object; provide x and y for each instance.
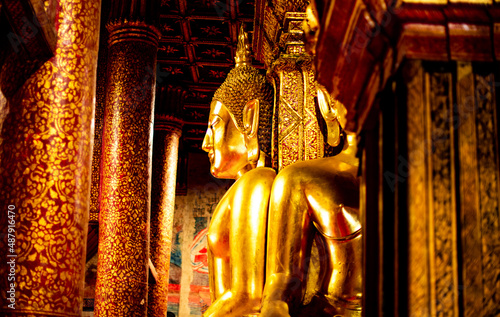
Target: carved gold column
(122, 273)
(165, 154)
(296, 132)
(45, 155)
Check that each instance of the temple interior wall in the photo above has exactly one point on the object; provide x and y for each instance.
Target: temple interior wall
(431, 174)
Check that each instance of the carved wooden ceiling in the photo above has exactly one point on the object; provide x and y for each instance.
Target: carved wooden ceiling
(196, 51)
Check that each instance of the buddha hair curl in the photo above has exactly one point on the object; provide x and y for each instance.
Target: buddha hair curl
(243, 84)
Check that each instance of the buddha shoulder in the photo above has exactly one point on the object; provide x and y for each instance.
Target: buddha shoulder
(259, 175)
(257, 180)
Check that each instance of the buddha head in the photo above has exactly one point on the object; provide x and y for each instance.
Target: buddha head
(239, 128)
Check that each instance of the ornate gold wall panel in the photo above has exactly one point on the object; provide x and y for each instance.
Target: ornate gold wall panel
(418, 269)
(488, 169)
(452, 189)
(442, 220)
(122, 273)
(165, 154)
(478, 145)
(45, 155)
(469, 190)
(433, 259)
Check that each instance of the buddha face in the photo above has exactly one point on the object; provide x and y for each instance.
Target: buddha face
(225, 144)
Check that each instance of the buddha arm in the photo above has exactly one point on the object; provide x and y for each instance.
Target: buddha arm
(248, 201)
(218, 250)
(304, 195)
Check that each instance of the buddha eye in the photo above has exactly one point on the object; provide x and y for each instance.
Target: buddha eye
(214, 122)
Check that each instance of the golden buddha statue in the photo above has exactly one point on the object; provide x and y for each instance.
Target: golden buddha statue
(239, 121)
(311, 200)
(314, 200)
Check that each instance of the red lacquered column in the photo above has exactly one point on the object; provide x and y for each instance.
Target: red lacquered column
(165, 155)
(45, 154)
(122, 271)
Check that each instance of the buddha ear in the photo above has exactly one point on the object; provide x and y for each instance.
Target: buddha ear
(251, 117)
(251, 125)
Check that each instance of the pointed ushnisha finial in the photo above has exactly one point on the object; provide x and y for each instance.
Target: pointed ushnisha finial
(243, 52)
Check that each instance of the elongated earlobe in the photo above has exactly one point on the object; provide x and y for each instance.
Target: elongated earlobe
(329, 113)
(251, 126)
(251, 117)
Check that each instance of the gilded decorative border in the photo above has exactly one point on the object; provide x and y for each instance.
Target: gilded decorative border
(443, 248)
(488, 168)
(418, 261)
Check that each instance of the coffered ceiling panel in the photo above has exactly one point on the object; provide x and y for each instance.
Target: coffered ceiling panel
(213, 53)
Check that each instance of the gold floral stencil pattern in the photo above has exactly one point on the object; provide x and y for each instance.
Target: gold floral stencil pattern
(45, 154)
(122, 271)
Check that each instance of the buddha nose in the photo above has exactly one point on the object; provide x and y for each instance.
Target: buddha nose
(207, 144)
